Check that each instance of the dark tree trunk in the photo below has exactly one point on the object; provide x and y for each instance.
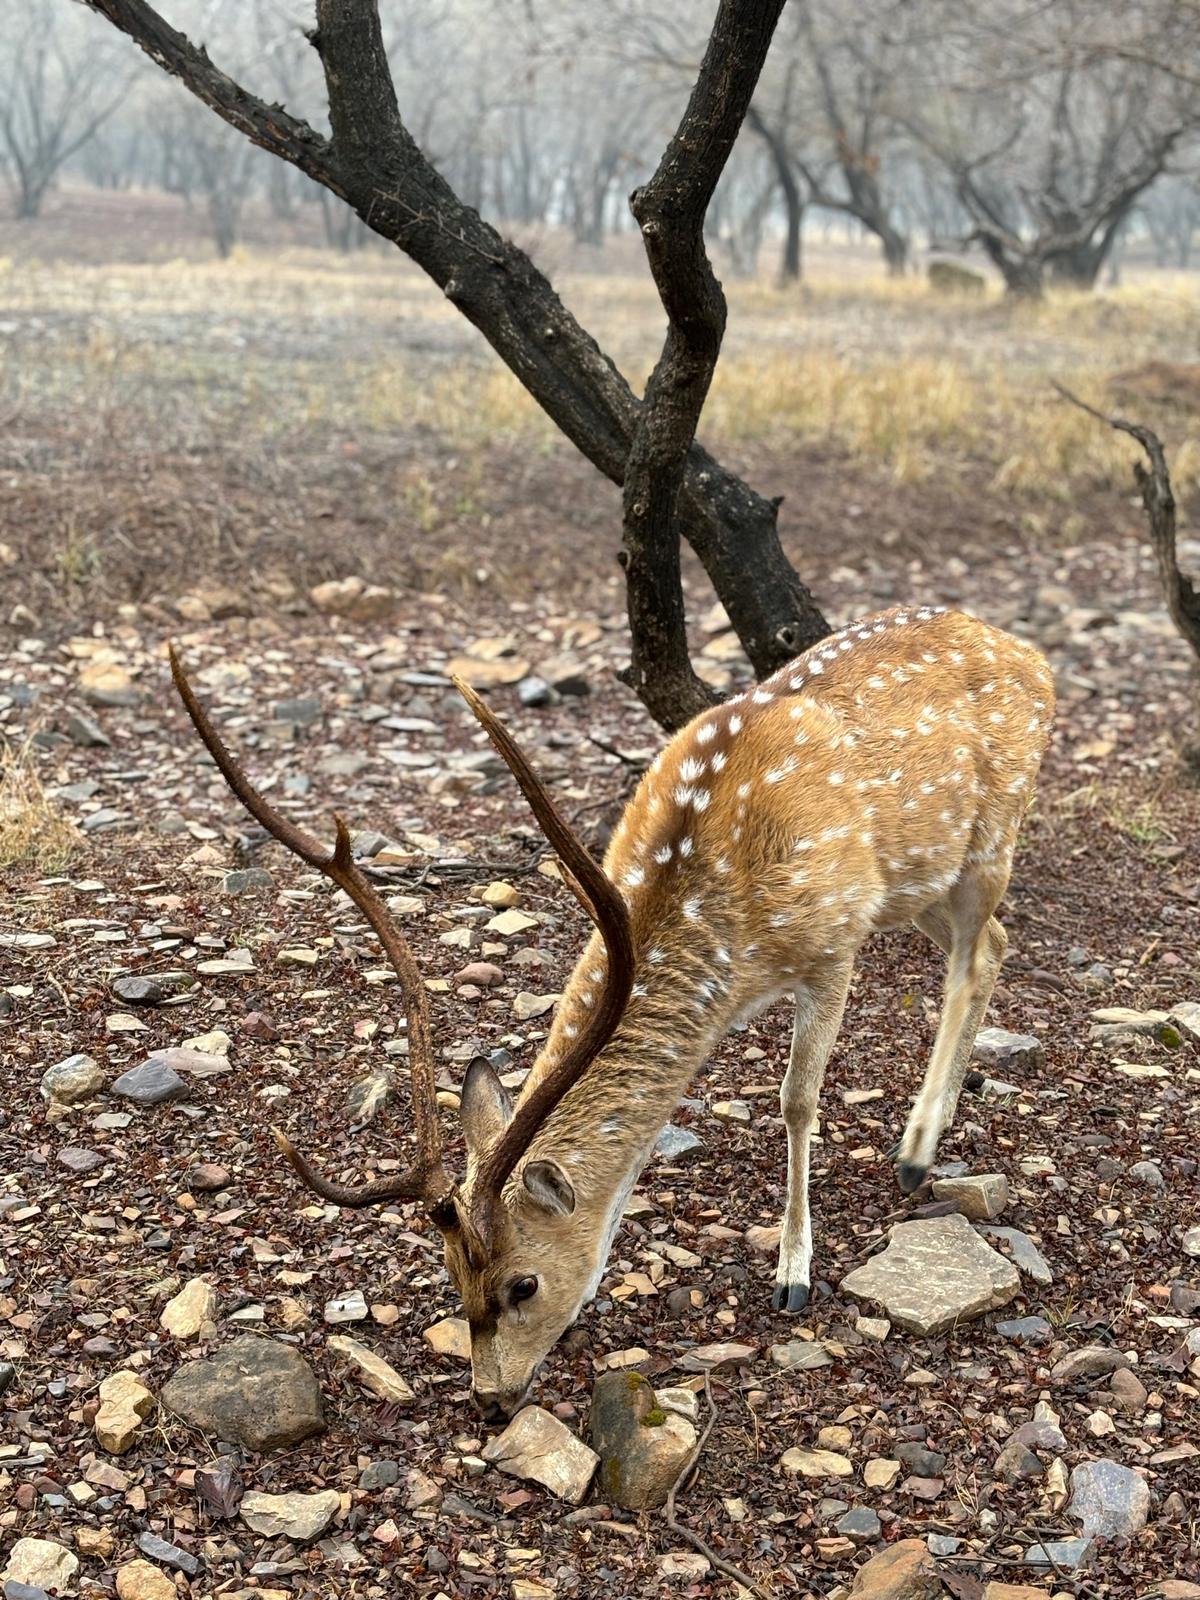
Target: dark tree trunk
(791, 265)
(374, 164)
(895, 250)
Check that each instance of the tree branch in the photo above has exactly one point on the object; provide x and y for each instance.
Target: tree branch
(670, 210)
(1183, 601)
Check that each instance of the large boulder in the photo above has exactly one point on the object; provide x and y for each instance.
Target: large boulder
(642, 1445)
(934, 1274)
(255, 1393)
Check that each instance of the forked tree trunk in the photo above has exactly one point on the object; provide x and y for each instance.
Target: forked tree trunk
(375, 165)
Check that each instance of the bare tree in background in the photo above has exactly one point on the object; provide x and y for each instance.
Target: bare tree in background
(372, 161)
(57, 87)
(1050, 136)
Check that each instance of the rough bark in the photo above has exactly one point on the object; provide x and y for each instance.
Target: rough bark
(670, 210)
(374, 164)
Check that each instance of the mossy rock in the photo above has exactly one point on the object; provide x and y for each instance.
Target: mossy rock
(642, 1447)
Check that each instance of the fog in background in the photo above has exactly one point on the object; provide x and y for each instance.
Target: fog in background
(1051, 142)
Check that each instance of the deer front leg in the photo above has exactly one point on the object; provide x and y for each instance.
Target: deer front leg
(818, 1018)
(974, 957)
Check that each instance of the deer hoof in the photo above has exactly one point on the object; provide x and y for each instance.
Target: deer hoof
(790, 1297)
(910, 1175)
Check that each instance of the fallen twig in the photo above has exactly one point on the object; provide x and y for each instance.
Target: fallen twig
(684, 1532)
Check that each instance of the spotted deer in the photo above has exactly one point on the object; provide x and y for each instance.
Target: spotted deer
(877, 780)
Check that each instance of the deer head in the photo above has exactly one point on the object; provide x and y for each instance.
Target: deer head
(515, 1235)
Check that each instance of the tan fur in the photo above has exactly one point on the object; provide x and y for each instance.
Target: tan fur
(877, 780)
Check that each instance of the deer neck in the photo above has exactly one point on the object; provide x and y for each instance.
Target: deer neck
(604, 1130)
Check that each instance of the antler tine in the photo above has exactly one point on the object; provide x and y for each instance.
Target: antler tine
(606, 907)
(427, 1180)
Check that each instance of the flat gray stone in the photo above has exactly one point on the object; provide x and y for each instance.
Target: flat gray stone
(674, 1142)
(248, 880)
(1028, 1259)
(1065, 1553)
(933, 1274)
(150, 1084)
(1112, 1501)
(998, 1049)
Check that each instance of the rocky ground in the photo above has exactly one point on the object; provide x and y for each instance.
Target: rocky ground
(213, 1386)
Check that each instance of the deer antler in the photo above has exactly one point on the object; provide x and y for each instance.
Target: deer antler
(606, 907)
(427, 1180)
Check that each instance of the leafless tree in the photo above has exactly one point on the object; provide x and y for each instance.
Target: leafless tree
(58, 86)
(1049, 136)
(373, 162)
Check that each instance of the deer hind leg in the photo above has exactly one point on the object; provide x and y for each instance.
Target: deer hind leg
(818, 1018)
(974, 942)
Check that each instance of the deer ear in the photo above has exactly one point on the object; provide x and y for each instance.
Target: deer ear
(485, 1109)
(548, 1185)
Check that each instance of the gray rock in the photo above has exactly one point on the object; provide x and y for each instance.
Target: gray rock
(367, 844)
(534, 692)
(379, 1475)
(1025, 1330)
(1130, 1393)
(368, 1096)
(861, 1524)
(255, 1393)
(1111, 1501)
(86, 731)
(77, 1159)
(538, 1446)
(1186, 1017)
(800, 1355)
(1149, 1173)
(15, 1590)
(1029, 1260)
(8, 1375)
(942, 1544)
(150, 1084)
(1090, 1361)
(104, 820)
(1191, 1242)
(304, 710)
(169, 1554)
(566, 675)
(72, 1080)
(1000, 1050)
(248, 880)
(933, 1274)
(674, 1142)
(917, 1458)
(1017, 1461)
(1068, 1554)
(152, 989)
(642, 1447)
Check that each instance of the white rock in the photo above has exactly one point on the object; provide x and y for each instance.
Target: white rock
(538, 1446)
(41, 1564)
(373, 1371)
(295, 1516)
(191, 1309)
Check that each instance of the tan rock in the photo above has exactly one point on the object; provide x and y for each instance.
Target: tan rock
(881, 1473)
(501, 895)
(642, 1446)
(124, 1403)
(1014, 1591)
(97, 1542)
(140, 1580)
(538, 1446)
(450, 1337)
(934, 1273)
(507, 923)
(374, 1372)
(192, 1310)
(816, 1463)
(488, 674)
(40, 1563)
(353, 598)
(295, 1516)
(763, 1241)
(906, 1571)
(981, 1197)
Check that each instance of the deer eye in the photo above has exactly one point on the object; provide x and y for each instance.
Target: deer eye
(524, 1289)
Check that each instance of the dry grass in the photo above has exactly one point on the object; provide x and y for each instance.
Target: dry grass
(33, 832)
(264, 348)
